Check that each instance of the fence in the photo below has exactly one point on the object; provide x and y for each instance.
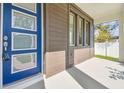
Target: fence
(109, 49)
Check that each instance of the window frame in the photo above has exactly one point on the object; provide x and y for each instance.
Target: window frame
(74, 28)
(35, 6)
(12, 46)
(12, 70)
(26, 14)
(87, 34)
(81, 31)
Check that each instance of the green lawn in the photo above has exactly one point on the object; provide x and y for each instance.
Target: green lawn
(24, 58)
(107, 57)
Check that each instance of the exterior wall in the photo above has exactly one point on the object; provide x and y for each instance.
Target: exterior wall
(121, 36)
(55, 62)
(56, 31)
(82, 53)
(56, 38)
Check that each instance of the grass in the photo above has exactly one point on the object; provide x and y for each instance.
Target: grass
(107, 57)
(24, 58)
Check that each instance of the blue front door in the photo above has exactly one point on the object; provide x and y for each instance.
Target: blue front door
(22, 44)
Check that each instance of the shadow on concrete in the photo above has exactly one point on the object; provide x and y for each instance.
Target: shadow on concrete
(38, 85)
(115, 74)
(84, 80)
(121, 63)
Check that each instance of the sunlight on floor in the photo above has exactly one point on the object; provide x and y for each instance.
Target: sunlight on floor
(108, 73)
(94, 73)
(61, 81)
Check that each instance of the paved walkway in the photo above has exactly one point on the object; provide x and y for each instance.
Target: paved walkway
(61, 81)
(94, 73)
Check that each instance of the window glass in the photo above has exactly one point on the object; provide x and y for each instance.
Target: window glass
(87, 33)
(23, 41)
(23, 21)
(28, 6)
(22, 62)
(72, 21)
(81, 31)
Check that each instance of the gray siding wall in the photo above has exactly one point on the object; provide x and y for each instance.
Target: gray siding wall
(82, 53)
(56, 30)
(56, 27)
(56, 37)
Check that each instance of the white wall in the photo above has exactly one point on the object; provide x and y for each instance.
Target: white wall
(108, 18)
(121, 41)
(112, 49)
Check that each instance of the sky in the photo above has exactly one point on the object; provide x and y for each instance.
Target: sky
(114, 27)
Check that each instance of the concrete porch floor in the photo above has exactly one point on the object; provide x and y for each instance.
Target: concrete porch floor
(94, 73)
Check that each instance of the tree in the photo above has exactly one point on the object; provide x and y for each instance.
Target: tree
(104, 35)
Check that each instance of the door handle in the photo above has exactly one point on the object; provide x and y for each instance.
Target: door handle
(6, 56)
(5, 47)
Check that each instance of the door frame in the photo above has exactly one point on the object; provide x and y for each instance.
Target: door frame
(1, 43)
(1, 64)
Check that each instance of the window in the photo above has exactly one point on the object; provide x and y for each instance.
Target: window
(87, 33)
(72, 28)
(21, 62)
(23, 21)
(21, 41)
(81, 31)
(27, 6)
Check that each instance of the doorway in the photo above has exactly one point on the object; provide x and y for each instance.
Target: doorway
(22, 41)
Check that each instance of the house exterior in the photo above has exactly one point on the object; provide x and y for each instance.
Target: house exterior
(42, 39)
(112, 12)
(68, 37)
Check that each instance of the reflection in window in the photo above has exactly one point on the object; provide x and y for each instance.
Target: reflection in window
(72, 27)
(81, 31)
(28, 6)
(23, 61)
(23, 41)
(87, 33)
(23, 21)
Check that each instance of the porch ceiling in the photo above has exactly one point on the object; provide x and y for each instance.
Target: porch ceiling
(101, 11)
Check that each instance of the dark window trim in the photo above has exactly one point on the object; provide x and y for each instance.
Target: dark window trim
(75, 28)
(87, 44)
(81, 31)
(75, 10)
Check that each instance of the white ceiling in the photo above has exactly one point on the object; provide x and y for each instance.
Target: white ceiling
(99, 10)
